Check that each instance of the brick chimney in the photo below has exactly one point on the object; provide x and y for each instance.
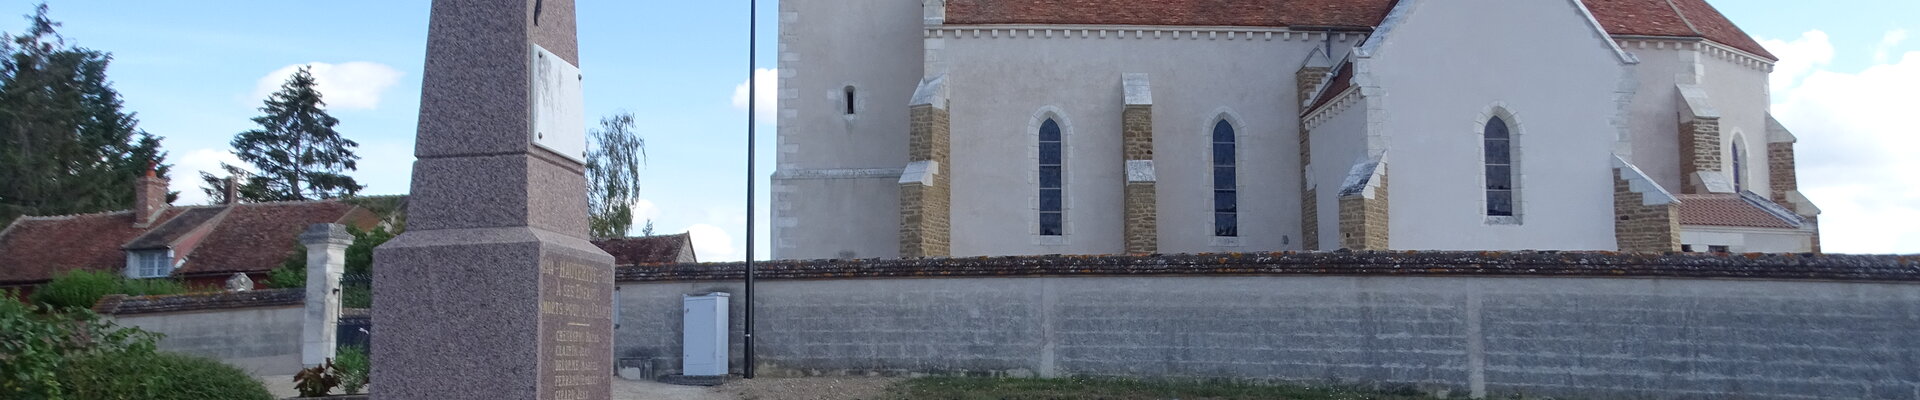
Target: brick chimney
(233, 191)
(149, 197)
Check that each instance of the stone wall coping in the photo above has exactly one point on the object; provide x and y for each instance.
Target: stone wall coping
(1538, 264)
(121, 304)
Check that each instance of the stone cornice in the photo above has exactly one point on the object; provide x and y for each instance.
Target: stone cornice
(1716, 49)
(1133, 32)
(1341, 101)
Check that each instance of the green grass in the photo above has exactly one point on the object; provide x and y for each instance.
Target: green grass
(1118, 389)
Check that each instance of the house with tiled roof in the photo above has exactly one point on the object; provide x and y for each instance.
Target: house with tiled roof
(199, 245)
(917, 128)
(650, 250)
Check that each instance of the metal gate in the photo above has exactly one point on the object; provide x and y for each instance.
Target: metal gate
(356, 314)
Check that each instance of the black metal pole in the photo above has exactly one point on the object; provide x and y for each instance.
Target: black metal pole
(753, 87)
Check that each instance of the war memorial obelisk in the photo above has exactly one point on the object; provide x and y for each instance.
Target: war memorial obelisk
(494, 291)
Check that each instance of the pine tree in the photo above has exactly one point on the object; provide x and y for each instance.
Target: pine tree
(614, 157)
(296, 152)
(65, 144)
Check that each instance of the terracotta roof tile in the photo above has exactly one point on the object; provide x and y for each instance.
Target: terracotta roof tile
(34, 249)
(1677, 18)
(165, 234)
(1674, 18)
(258, 237)
(649, 250)
(1738, 210)
(248, 238)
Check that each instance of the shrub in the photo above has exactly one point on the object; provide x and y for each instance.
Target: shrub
(292, 272)
(81, 288)
(316, 381)
(78, 289)
(158, 376)
(37, 344)
(353, 366)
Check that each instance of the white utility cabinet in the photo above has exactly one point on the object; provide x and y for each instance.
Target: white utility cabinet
(703, 341)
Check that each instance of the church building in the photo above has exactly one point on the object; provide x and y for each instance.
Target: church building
(934, 128)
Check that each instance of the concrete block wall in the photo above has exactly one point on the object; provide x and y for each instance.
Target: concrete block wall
(1582, 337)
(262, 341)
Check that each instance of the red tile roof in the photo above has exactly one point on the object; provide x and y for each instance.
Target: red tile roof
(649, 250)
(34, 249)
(1678, 18)
(1673, 18)
(247, 238)
(1734, 210)
(258, 237)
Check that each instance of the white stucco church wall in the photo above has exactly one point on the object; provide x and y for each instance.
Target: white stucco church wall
(1429, 75)
(1007, 80)
(1443, 80)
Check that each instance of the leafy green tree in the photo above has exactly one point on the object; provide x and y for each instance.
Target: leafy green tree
(615, 155)
(297, 152)
(66, 145)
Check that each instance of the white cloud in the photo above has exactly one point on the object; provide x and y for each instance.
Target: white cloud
(644, 211)
(353, 85)
(1888, 44)
(186, 173)
(766, 100)
(710, 243)
(1798, 57)
(1856, 140)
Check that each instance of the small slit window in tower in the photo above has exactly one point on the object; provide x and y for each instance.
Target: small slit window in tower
(850, 99)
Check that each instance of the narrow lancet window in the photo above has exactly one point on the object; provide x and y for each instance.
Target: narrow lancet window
(1739, 165)
(1052, 192)
(1499, 163)
(849, 97)
(1226, 194)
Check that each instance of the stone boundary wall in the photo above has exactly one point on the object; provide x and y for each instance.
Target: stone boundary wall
(257, 331)
(1585, 325)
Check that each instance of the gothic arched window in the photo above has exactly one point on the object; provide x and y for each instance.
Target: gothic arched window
(1226, 194)
(1052, 169)
(1499, 168)
(1739, 165)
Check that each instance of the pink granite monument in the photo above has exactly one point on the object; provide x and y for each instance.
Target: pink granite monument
(494, 291)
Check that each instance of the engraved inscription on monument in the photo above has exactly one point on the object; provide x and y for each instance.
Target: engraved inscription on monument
(576, 329)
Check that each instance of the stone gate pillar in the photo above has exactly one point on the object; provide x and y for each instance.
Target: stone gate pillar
(326, 260)
(494, 291)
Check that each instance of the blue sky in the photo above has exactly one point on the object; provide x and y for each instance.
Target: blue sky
(196, 71)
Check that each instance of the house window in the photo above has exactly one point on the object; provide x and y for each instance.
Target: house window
(1226, 196)
(1719, 249)
(849, 98)
(1499, 168)
(152, 264)
(1052, 193)
(1739, 165)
